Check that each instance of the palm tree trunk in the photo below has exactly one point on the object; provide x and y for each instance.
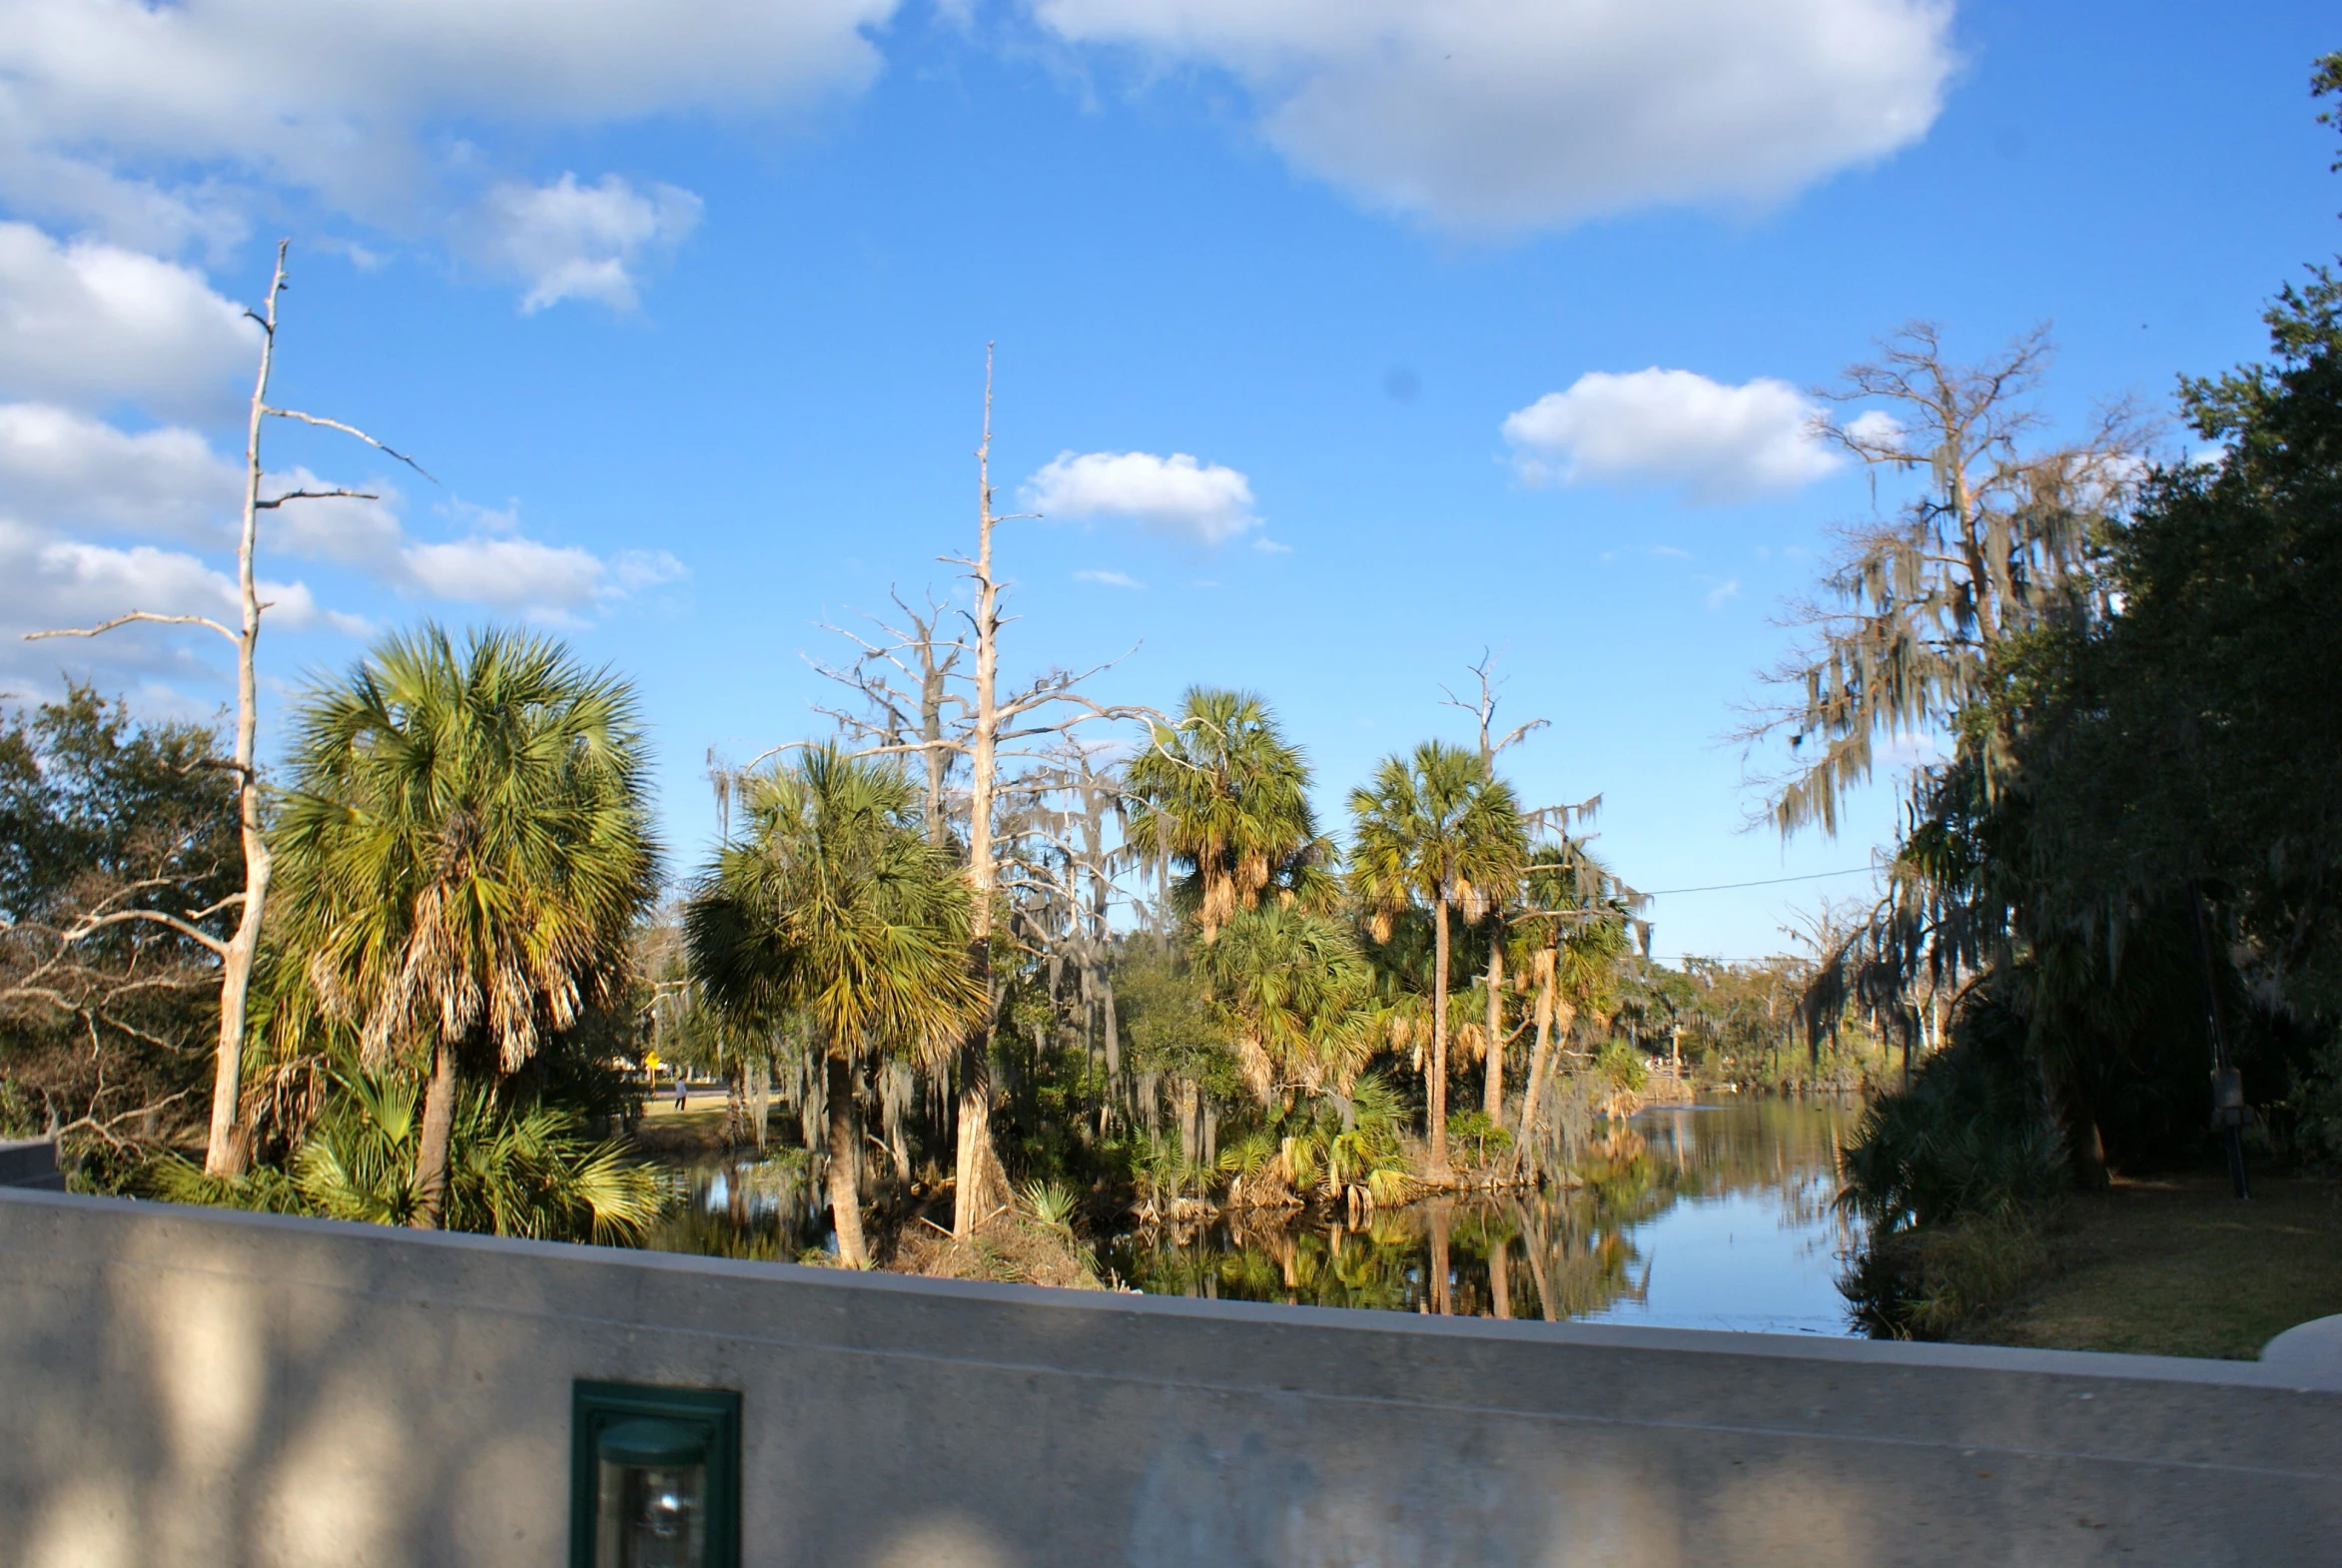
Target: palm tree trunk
(845, 1192)
(431, 1150)
(1492, 1101)
(1438, 1086)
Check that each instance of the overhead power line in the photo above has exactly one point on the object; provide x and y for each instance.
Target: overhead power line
(1725, 887)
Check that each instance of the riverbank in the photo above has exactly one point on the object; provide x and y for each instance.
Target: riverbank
(2175, 1266)
(696, 1132)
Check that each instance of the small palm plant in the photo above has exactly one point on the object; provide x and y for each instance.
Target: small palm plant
(523, 1171)
(1340, 1148)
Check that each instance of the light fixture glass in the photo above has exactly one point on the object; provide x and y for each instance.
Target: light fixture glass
(651, 1496)
(655, 1477)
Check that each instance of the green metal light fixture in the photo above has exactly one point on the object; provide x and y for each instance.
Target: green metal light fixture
(654, 1477)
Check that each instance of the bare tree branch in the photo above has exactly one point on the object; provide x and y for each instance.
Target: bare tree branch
(134, 615)
(348, 430)
(314, 496)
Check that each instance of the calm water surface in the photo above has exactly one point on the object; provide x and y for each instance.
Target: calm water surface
(1690, 1218)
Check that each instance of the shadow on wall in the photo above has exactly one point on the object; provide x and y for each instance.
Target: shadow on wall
(192, 1387)
(199, 1413)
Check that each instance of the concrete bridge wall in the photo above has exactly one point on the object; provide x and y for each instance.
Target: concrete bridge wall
(181, 1386)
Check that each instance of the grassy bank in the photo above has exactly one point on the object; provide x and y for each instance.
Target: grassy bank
(2177, 1266)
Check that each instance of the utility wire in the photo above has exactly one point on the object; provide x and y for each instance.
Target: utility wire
(1724, 887)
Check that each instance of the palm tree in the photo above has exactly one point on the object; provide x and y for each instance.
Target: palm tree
(836, 908)
(1436, 829)
(1293, 992)
(463, 854)
(1221, 792)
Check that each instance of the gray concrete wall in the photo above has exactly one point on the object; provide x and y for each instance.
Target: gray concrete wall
(185, 1386)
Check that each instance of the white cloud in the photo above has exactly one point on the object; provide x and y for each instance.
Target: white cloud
(90, 326)
(70, 468)
(1499, 115)
(639, 571)
(146, 118)
(1723, 594)
(517, 574)
(1178, 496)
(47, 581)
(1713, 442)
(65, 478)
(1877, 427)
(1110, 579)
(490, 563)
(583, 242)
(349, 531)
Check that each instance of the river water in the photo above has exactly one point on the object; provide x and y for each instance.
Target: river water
(1689, 1216)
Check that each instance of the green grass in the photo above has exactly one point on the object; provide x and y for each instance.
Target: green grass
(2177, 1266)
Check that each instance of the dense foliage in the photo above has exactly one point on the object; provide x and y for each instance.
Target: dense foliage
(2128, 870)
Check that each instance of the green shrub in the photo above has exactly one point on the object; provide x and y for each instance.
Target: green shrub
(1968, 1138)
(1936, 1283)
(1476, 1141)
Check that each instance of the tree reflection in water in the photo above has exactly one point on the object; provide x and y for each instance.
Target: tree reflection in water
(1554, 1254)
(1557, 1253)
(767, 1210)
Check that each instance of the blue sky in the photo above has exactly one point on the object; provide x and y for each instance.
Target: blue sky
(689, 323)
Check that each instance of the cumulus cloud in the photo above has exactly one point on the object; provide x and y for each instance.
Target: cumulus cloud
(348, 531)
(69, 482)
(84, 472)
(490, 563)
(1714, 442)
(507, 573)
(97, 95)
(1499, 115)
(583, 242)
(89, 326)
(47, 581)
(1178, 496)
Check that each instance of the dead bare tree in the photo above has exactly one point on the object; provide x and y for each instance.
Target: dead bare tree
(228, 1145)
(898, 721)
(961, 714)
